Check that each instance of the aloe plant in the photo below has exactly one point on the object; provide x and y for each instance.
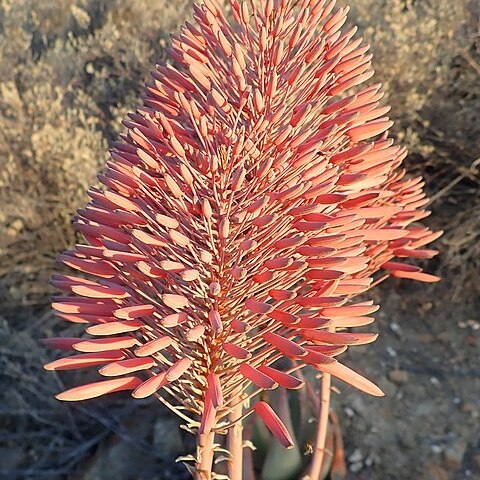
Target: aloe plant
(253, 195)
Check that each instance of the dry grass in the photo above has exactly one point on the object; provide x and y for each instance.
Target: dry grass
(71, 69)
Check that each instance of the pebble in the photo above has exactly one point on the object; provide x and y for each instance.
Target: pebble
(425, 338)
(14, 228)
(473, 324)
(391, 352)
(398, 376)
(349, 412)
(453, 455)
(471, 408)
(408, 438)
(356, 467)
(396, 328)
(356, 456)
(436, 449)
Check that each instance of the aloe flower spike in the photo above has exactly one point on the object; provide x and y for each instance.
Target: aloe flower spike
(254, 194)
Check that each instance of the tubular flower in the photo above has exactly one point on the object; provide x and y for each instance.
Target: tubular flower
(251, 197)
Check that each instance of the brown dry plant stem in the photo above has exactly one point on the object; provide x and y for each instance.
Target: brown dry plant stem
(235, 442)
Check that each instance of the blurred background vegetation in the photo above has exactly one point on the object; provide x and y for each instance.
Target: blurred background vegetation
(69, 72)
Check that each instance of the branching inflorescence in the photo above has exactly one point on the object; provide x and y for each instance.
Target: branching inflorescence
(251, 198)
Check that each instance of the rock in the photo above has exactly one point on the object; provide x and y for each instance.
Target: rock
(355, 459)
(436, 449)
(407, 438)
(396, 329)
(398, 376)
(425, 338)
(469, 407)
(453, 455)
(391, 352)
(349, 412)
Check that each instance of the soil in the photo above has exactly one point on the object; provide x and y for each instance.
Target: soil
(426, 361)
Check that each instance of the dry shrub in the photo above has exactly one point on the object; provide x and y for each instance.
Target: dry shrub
(69, 72)
(427, 55)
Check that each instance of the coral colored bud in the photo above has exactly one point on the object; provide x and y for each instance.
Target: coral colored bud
(215, 321)
(224, 228)
(274, 424)
(238, 179)
(207, 209)
(215, 289)
(206, 257)
(258, 100)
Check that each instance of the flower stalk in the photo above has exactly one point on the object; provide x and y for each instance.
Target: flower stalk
(235, 443)
(319, 453)
(205, 453)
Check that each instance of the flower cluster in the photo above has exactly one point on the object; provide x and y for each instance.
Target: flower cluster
(253, 195)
